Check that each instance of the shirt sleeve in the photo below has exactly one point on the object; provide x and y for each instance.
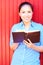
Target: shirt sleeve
(41, 36)
(11, 38)
(13, 29)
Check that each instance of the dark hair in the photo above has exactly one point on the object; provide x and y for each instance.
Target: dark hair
(25, 3)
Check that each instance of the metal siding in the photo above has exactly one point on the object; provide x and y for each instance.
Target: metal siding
(8, 17)
(3, 31)
(0, 35)
(7, 31)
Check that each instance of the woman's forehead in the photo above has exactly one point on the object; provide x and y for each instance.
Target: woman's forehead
(26, 7)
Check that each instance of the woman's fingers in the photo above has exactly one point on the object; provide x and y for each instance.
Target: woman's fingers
(29, 40)
(28, 43)
(25, 41)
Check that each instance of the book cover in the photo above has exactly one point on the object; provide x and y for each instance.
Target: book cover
(34, 36)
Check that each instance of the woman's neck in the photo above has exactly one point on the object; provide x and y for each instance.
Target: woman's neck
(27, 24)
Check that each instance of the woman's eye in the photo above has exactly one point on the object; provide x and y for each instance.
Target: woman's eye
(23, 12)
(29, 11)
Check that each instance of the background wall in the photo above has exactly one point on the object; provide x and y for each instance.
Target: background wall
(8, 17)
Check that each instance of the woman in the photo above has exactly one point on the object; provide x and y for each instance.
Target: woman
(26, 53)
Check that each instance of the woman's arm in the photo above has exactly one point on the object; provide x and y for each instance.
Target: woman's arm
(33, 46)
(14, 46)
(37, 48)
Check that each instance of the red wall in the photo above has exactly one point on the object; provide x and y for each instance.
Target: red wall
(8, 17)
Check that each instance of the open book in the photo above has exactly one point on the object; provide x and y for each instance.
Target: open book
(34, 36)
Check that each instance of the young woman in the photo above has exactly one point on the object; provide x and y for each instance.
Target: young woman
(26, 53)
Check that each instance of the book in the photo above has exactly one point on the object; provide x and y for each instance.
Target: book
(34, 36)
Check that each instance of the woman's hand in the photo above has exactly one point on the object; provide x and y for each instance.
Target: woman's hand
(28, 43)
(33, 46)
(14, 46)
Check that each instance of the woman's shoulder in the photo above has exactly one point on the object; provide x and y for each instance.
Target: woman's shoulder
(16, 26)
(37, 24)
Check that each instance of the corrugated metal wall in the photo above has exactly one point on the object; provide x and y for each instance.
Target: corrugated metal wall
(8, 17)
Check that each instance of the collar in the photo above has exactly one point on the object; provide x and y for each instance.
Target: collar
(32, 24)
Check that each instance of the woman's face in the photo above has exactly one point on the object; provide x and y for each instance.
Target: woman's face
(26, 13)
